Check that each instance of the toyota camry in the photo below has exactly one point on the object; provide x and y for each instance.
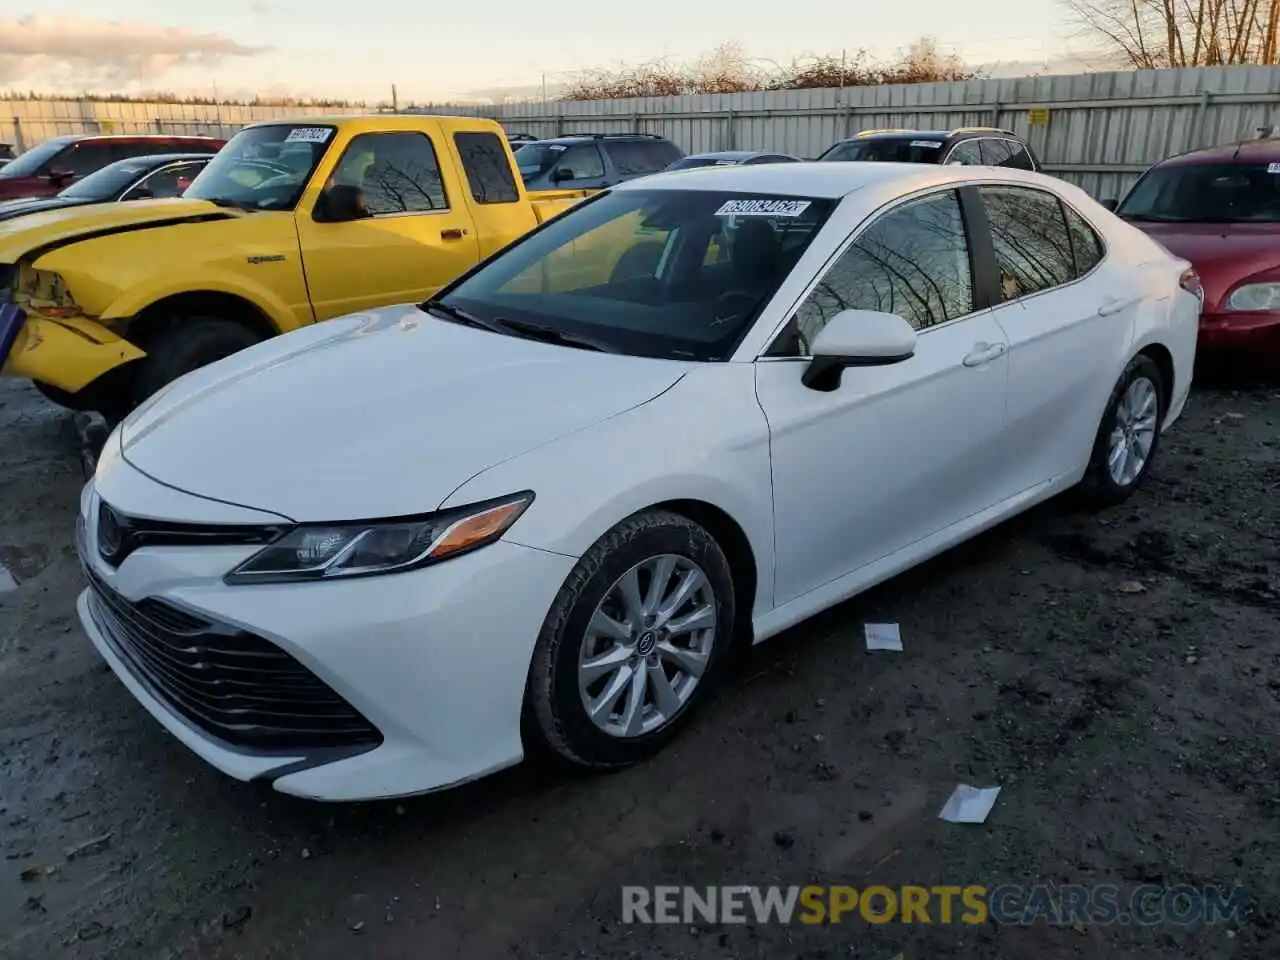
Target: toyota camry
(391, 552)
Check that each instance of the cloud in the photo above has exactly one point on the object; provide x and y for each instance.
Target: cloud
(45, 50)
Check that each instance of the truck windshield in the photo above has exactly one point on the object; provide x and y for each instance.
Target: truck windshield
(263, 168)
(1206, 193)
(673, 274)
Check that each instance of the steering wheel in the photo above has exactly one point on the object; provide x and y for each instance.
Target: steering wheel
(732, 305)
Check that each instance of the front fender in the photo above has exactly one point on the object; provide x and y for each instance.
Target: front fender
(131, 302)
(704, 439)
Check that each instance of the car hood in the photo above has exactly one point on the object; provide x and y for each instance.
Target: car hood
(18, 208)
(22, 235)
(378, 414)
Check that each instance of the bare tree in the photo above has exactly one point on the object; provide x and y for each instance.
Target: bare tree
(1151, 34)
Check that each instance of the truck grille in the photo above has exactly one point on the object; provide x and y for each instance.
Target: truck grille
(235, 686)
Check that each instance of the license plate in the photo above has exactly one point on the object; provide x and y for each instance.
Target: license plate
(11, 319)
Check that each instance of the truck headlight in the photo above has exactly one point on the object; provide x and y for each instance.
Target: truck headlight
(1255, 296)
(315, 551)
(44, 293)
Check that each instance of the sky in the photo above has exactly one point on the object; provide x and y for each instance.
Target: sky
(340, 48)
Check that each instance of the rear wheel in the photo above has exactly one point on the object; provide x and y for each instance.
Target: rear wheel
(187, 344)
(1128, 436)
(634, 642)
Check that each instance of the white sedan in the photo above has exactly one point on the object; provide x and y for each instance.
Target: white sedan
(386, 554)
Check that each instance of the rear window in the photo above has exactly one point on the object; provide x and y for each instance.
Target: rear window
(886, 150)
(1206, 193)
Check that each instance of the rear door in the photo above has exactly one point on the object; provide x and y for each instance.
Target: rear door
(1066, 319)
(419, 234)
(499, 209)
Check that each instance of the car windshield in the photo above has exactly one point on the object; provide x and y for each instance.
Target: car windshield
(688, 163)
(263, 168)
(29, 162)
(109, 182)
(673, 274)
(886, 150)
(536, 158)
(1206, 193)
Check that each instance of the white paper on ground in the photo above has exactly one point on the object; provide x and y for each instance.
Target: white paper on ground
(883, 636)
(969, 804)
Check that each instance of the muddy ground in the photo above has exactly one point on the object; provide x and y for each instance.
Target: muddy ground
(1133, 729)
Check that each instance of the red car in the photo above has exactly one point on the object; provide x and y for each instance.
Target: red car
(1220, 209)
(53, 165)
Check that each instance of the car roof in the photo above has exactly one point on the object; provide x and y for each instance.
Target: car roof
(160, 159)
(814, 178)
(78, 137)
(589, 137)
(729, 155)
(1261, 150)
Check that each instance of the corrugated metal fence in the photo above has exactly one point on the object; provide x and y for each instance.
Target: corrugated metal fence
(1098, 130)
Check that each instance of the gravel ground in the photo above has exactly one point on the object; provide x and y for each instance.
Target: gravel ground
(1116, 674)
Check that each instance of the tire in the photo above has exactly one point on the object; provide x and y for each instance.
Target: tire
(187, 344)
(1100, 486)
(555, 711)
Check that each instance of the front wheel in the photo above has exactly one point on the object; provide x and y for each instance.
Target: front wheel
(634, 642)
(186, 345)
(1128, 436)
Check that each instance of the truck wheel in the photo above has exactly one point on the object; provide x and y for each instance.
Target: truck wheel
(188, 344)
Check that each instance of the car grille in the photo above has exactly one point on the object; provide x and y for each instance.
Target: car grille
(235, 686)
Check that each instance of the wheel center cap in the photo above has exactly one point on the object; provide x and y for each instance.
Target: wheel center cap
(646, 642)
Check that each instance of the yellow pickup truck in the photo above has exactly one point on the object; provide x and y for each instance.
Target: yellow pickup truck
(291, 223)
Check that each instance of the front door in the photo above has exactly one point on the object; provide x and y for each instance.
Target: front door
(897, 452)
(1065, 319)
(418, 237)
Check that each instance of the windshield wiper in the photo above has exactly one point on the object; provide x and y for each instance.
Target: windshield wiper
(455, 315)
(228, 202)
(535, 331)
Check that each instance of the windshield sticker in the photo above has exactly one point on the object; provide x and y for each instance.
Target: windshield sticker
(934, 144)
(763, 208)
(1273, 168)
(308, 135)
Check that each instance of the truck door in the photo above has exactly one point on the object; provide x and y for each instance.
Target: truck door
(500, 209)
(415, 234)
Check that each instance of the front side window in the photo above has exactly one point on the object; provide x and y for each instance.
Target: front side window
(167, 182)
(967, 154)
(107, 183)
(633, 270)
(484, 161)
(263, 168)
(913, 261)
(395, 173)
(1032, 245)
(1234, 192)
(86, 157)
(581, 163)
(536, 158)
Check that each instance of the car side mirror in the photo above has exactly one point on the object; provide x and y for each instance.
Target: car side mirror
(857, 338)
(340, 203)
(60, 176)
(1110, 203)
(562, 174)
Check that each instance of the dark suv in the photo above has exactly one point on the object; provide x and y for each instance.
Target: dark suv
(585, 161)
(48, 167)
(968, 146)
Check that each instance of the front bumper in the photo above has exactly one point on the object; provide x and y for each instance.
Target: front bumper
(435, 659)
(1239, 331)
(68, 353)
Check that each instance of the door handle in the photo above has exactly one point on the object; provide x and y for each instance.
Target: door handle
(456, 233)
(1113, 306)
(984, 353)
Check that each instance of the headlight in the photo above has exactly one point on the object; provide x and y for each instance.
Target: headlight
(44, 293)
(1255, 296)
(335, 551)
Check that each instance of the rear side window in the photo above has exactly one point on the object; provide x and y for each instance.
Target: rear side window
(1032, 245)
(634, 157)
(484, 160)
(1019, 158)
(1086, 245)
(995, 153)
